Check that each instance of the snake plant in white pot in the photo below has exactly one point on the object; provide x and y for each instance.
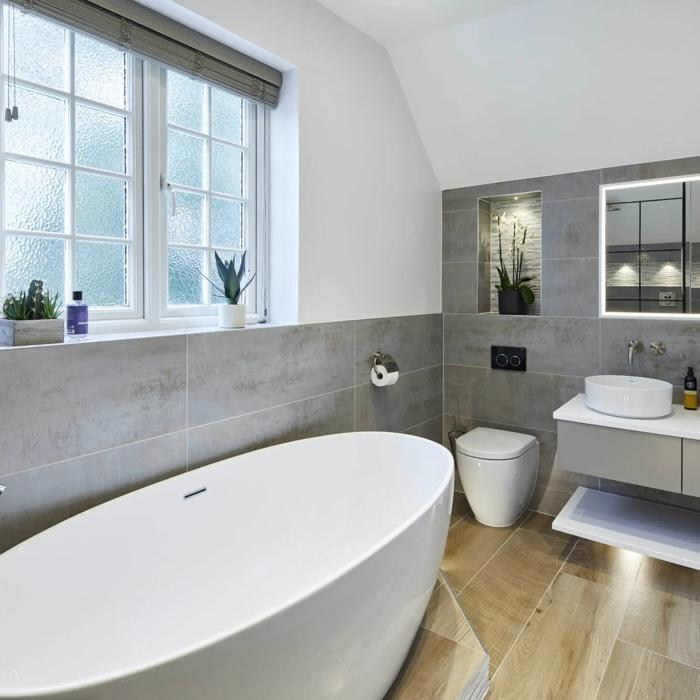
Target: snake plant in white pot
(231, 313)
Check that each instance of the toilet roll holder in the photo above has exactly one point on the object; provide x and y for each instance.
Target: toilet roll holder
(383, 363)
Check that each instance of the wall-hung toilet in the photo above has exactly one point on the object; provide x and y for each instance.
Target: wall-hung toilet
(498, 470)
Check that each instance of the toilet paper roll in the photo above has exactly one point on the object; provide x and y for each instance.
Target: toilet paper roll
(380, 377)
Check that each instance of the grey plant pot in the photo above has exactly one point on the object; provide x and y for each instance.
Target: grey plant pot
(50, 330)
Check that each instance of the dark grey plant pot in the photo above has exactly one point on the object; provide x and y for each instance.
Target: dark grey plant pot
(510, 302)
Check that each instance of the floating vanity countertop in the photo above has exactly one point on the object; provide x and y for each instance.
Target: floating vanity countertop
(681, 423)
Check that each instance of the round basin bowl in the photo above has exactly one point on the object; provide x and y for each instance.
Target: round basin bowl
(629, 397)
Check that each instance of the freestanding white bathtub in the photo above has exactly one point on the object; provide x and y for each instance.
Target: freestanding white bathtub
(301, 572)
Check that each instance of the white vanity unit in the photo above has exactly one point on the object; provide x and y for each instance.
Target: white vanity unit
(660, 453)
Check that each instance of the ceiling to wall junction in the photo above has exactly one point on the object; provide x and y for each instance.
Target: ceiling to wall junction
(507, 89)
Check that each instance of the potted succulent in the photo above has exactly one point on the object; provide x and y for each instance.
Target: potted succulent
(514, 291)
(231, 313)
(31, 317)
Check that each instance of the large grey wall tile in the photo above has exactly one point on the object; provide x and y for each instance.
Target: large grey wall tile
(235, 373)
(430, 430)
(681, 337)
(570, 228)
(38, 498)
(647, 171)
(510, 398)
(553, 187)
(459, 236)
(321, 415)
(554, 345)
(60, 402)
(416, 398)
(415, 342)
(570, 287)
(460, 288)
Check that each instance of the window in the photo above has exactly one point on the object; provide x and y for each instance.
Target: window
(122, 178)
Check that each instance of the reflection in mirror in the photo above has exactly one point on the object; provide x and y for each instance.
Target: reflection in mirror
(650, 245)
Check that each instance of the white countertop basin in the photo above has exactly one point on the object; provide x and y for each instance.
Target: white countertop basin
(681, 423)
(629, 397)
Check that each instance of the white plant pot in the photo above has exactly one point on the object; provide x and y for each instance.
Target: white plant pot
(231, 315)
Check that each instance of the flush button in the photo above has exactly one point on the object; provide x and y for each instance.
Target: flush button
(508, 358)
(502, 360)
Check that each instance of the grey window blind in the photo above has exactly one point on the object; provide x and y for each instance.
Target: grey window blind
(152, 35)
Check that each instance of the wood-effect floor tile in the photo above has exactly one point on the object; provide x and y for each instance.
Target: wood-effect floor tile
(436, 668)
(639, 674)
(663, 614)
(600, 563)
(503, 595)
(460, 508)
(565, 647)
(469, 546)
(445, 616)
(541, 523)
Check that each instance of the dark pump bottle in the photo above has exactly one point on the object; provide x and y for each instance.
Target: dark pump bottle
(77, 316)
(690, 391)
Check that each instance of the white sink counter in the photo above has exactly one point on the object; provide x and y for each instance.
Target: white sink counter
(681, 423)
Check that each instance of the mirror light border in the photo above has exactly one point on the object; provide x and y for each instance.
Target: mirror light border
(602, 197)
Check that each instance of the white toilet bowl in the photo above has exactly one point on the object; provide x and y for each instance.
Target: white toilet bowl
(498, 470)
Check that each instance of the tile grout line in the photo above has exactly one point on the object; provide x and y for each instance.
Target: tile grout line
(423, 422)
(95, 452)
(532, 614)
(445, 583)
(354, 376)
(270, 408)
(617, 632)
(656, 653)
(481, 568)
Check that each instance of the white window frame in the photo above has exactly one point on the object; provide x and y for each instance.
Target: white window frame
(147, 205)
(133, 176)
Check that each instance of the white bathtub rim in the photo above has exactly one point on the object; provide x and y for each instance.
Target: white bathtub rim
(324, 582)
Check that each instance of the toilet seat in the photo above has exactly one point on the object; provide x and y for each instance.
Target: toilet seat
(490, 443)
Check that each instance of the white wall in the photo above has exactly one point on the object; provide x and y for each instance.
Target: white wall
(369, 203)
(552, 86)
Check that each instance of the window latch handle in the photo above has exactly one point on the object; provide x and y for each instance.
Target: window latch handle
(165, 185)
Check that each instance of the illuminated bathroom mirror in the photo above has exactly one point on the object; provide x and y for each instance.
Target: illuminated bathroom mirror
(650, 247)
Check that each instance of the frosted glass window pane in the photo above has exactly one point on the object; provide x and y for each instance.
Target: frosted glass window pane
(41, 49)
(186, 101)
(184, 278)
(185, 159)
(100, 272)
(226, 116)
(35, 197)
(30, 258)
(186, 218)
(100, 205)
(100, 72)
(226, 223)
(226, 169)
(41, 131)
(100, 139)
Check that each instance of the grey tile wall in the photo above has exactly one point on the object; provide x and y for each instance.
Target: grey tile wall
(83, 423)
(568, 341)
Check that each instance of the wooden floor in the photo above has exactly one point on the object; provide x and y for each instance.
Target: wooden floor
(565, 618)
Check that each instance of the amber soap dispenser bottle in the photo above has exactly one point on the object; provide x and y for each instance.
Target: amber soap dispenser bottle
(690, 391)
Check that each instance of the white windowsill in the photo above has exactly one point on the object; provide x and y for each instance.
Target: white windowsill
(108, 331)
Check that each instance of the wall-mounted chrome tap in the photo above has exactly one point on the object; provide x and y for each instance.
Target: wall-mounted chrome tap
(657, 347)
(2, 489)
(633, 347)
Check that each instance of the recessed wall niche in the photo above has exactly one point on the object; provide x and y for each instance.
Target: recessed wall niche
(525, 211)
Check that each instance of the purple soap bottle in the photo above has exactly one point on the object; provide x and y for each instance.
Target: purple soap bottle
(77, 316)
